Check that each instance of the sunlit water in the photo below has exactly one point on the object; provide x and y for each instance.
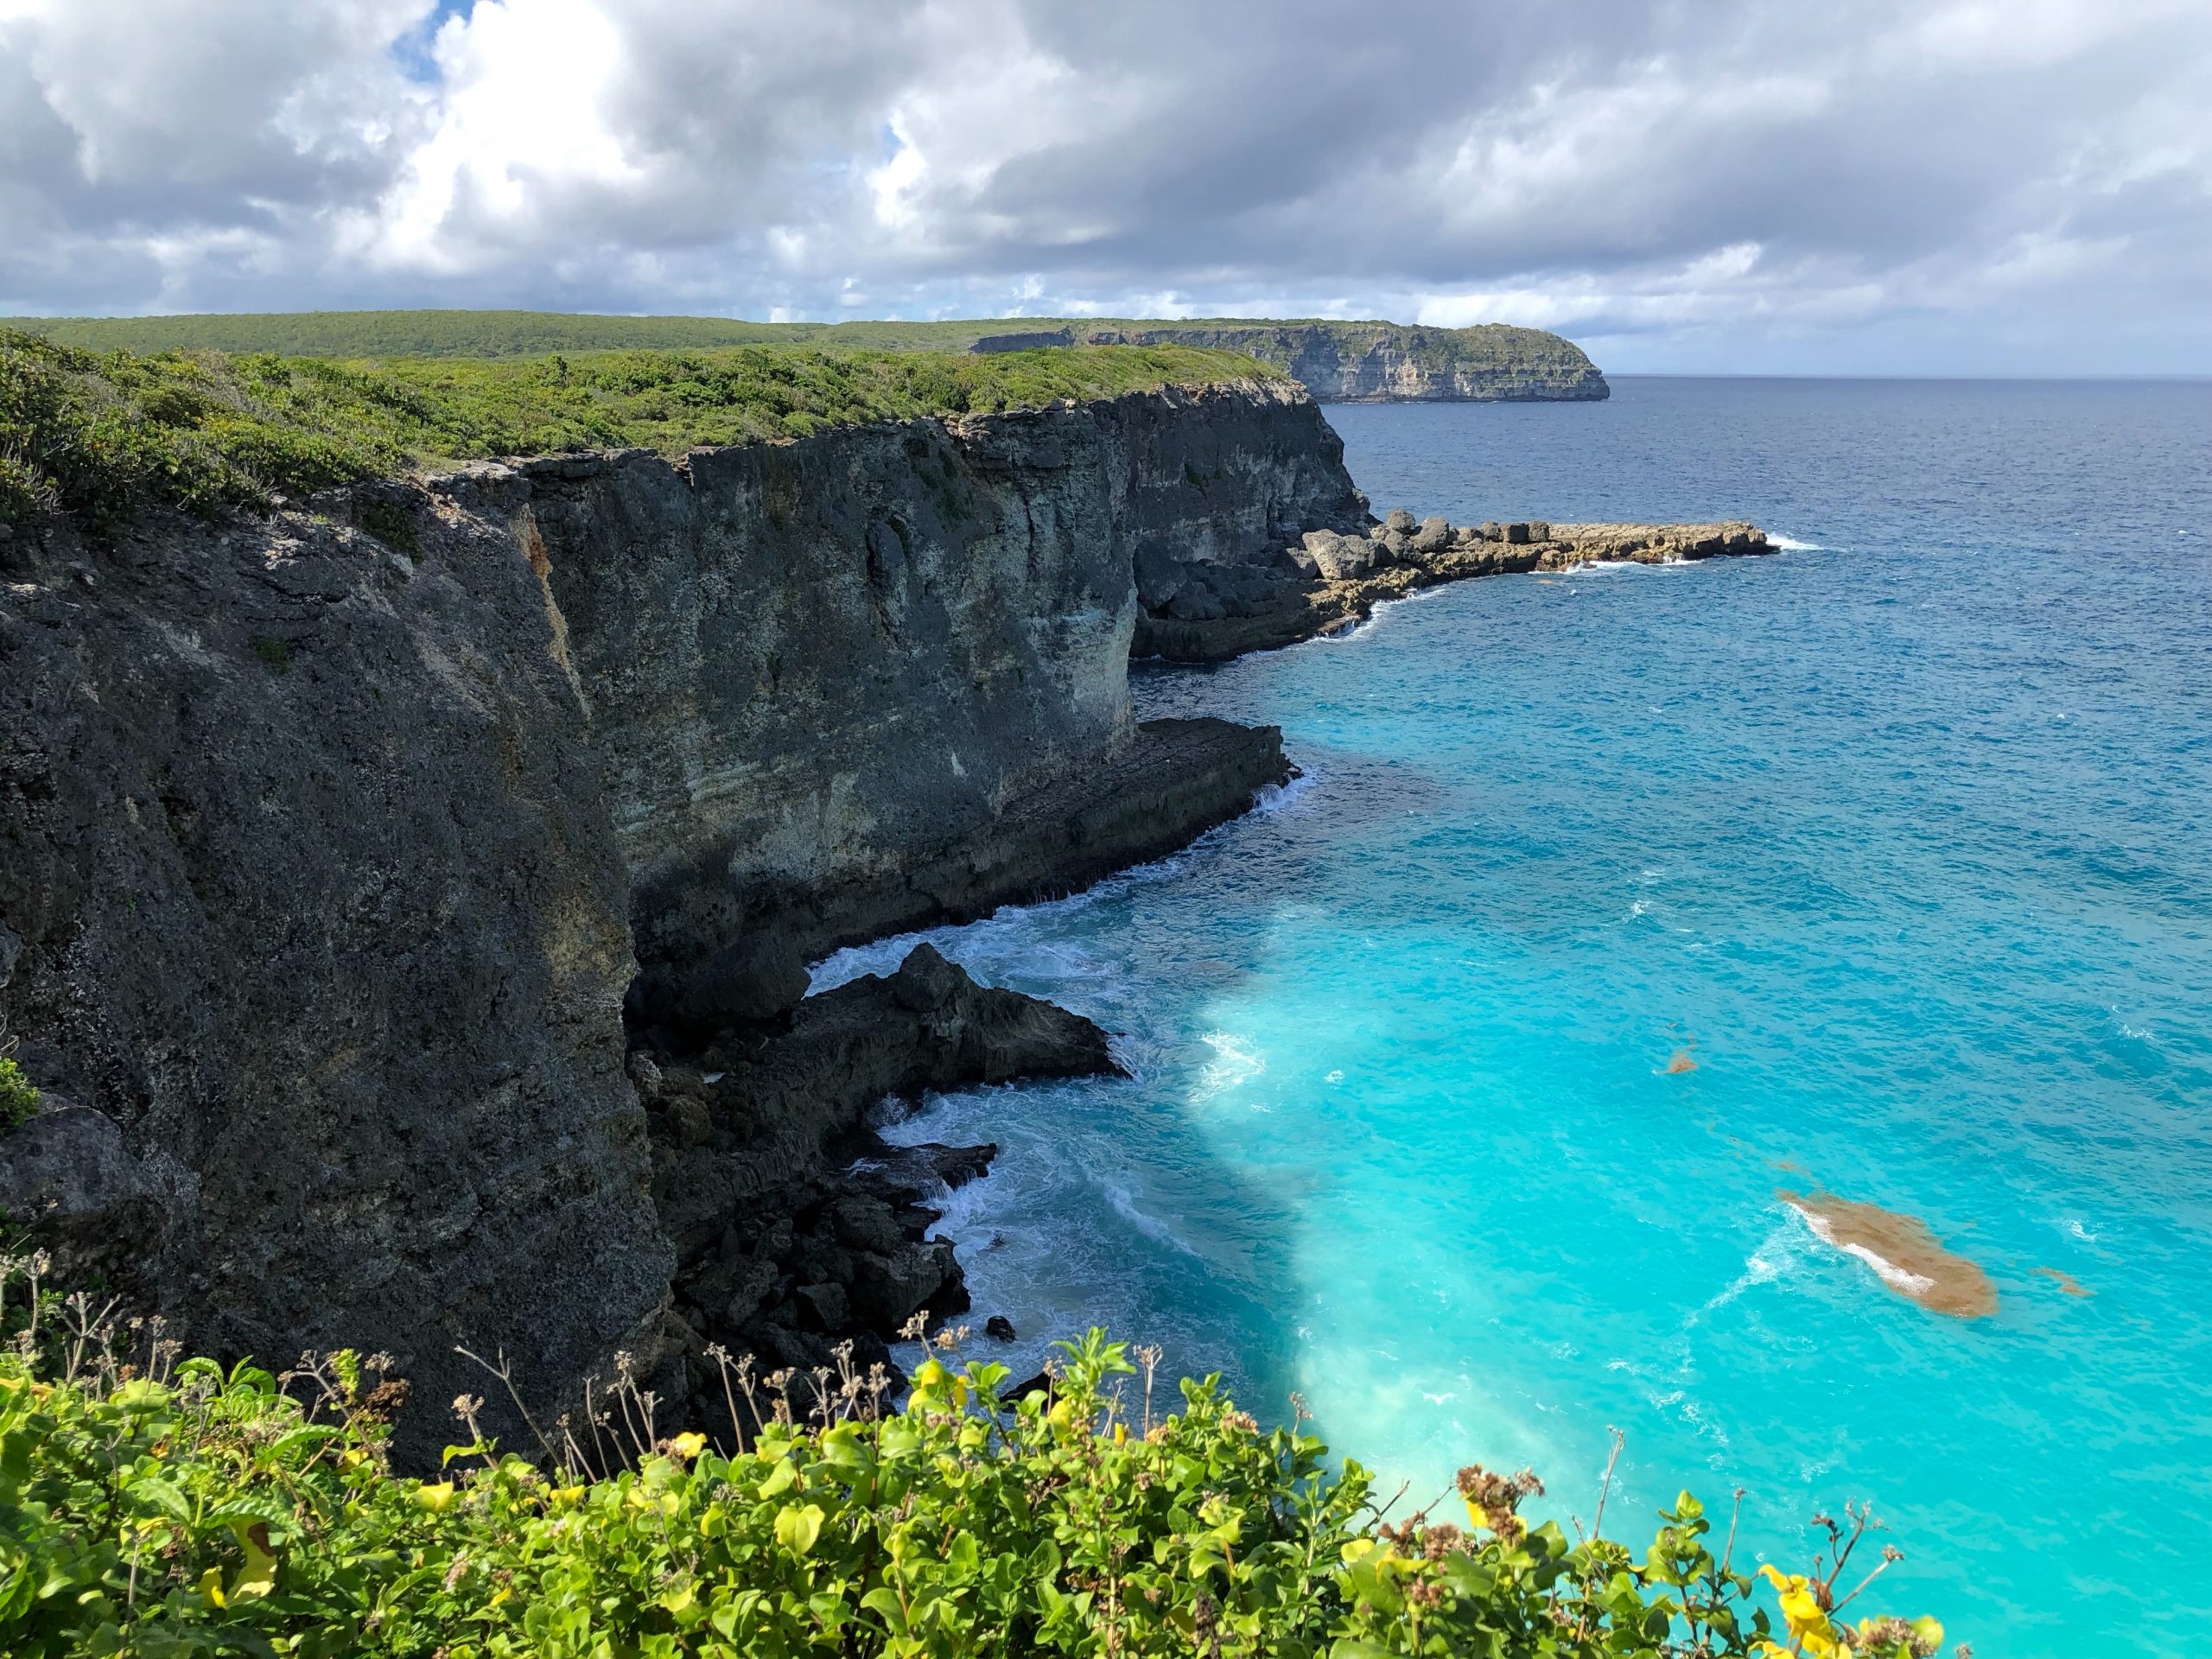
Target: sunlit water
(1904, 837)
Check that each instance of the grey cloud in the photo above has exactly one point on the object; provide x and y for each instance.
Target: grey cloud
(1743, 183)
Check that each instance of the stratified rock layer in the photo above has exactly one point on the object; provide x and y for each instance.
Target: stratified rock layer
(825, 676)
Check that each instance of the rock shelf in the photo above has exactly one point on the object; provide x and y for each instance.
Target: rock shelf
(1210, 611)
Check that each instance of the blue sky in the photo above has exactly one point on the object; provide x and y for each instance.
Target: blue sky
(1933, 187)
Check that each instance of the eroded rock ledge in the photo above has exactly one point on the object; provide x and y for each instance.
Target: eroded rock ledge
(1210, 611)
(784, 1245)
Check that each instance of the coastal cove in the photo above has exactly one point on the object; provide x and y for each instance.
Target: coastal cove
(1899, 837)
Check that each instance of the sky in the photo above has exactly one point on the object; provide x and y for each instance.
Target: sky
(1709, 186)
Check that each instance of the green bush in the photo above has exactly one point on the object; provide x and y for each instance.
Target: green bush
(18, 1097)
(158, 1508)
(103, 436)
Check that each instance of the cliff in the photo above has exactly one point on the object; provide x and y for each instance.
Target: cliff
(332, 841)
(1388, 362)
(1338, 361)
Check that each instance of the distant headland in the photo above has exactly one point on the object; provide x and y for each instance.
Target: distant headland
(1337, 361)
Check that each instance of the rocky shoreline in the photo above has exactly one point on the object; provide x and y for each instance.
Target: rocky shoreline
(1198, 611)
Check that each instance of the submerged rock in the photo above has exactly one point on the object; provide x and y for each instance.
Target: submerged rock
(1905, 1255)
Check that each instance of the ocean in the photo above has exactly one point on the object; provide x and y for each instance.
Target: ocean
(1611, 906)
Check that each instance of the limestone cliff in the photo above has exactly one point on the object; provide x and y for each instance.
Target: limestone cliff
(827, 678)
(1388, 362)
(318, 923)
(321, 851)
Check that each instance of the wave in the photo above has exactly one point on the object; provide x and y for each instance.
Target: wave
(1791, 544)
(1273, 797)
(1236, 1060)
(1144, 1221)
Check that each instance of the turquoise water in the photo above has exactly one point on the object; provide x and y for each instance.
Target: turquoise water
(1902, 834)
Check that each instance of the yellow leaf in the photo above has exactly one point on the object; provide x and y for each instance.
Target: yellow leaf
(210, 1586)
(687, 1446)
(258, 1576)
(797, 1528)
(436, 1496)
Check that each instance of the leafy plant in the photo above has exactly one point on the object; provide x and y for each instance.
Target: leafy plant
(101, 437)
(18, 1097)
(148, 1506)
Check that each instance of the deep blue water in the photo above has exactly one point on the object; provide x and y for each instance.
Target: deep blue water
(1905, 835)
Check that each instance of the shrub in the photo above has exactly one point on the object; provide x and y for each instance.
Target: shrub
(103, 436)
(162, 1509)
(18, 1097)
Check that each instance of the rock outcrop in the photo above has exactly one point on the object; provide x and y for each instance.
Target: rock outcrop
(1210, 611)
(866, 682)
(328, 858)
(1390, 363)
(783, 1248)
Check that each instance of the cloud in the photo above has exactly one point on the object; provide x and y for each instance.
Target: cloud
(1895, 185)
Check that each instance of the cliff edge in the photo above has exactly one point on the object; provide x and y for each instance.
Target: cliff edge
(396, 884)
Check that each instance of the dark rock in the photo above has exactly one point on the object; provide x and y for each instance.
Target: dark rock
(1433, 536)
(1517, 535)
(999, 1328)
(887, 1291)
(95, 1207)
(1491, 531)
(732, 1290)
(822, 1307)
(337, 947)
(688, 1121)
(923, 1168)
(1400, 520)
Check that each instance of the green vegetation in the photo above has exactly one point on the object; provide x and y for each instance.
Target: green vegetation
(534, 333)
(100, 436)
(154, 1509)
(18, 1097)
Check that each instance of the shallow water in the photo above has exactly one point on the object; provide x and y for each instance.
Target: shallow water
(1611, 904)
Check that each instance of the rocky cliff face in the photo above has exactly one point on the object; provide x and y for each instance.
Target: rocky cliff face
(319, 925)
(825, 676)
(1382, 362)
(322, 852)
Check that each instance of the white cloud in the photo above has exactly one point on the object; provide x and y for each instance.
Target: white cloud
(1747, 181)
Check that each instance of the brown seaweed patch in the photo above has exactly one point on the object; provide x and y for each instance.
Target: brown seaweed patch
(2067, 1281)
(1682, 1062)
(1908, 1257)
